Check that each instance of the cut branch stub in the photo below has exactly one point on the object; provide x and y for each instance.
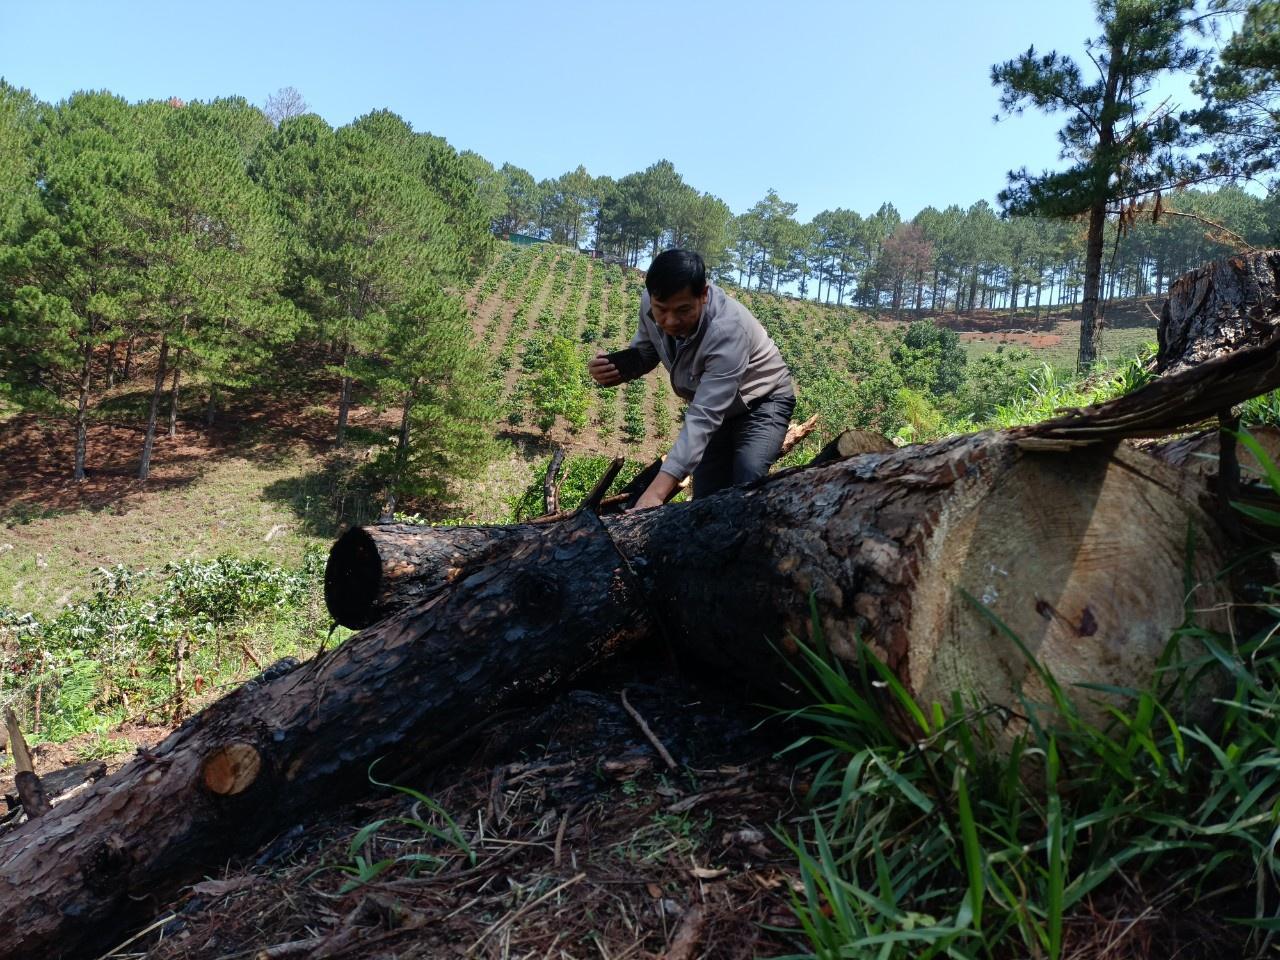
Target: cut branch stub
(232, 769)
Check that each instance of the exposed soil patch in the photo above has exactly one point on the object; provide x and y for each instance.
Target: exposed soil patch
(1034, 341)
(38, 454)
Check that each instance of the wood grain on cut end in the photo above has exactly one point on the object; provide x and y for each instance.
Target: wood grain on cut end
(232, 769)
(1083, 558)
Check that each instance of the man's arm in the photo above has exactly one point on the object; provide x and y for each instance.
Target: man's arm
(658, 491)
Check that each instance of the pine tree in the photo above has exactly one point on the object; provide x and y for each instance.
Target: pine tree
(213, 263)
(1119, 150)
(71, 276)
(1241, 89)
(441, 382)
(386, 225)
(18, 115)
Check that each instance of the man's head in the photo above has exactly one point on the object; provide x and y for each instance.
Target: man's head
(677, 285)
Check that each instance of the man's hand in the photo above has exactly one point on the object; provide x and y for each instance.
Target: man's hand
(603, 372)
(656, 494)
(648, 500)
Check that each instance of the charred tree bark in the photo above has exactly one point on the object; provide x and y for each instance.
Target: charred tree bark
(551, 483)
(559, 601)
(374, 571)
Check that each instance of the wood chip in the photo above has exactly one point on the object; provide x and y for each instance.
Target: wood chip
(220, 888)
(709, 873)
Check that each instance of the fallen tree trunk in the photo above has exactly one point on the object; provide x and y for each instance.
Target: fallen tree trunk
(931, 555)
(1081, 556)
(374, 571)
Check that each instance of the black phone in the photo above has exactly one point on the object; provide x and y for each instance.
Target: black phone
(629, 362)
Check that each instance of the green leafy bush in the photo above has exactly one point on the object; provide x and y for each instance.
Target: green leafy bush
(113, 654)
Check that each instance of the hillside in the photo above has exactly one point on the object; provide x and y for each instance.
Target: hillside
(264, 481)
(548, 290)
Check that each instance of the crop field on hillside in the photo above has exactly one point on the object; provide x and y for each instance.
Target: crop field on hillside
(532, 295)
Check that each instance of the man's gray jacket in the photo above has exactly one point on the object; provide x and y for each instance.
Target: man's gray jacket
(728, 362)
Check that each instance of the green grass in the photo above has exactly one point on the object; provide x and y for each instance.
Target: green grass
(225, 509)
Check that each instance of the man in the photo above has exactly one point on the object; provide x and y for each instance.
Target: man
(723, 363)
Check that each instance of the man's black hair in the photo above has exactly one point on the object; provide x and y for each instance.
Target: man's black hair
(673, 272)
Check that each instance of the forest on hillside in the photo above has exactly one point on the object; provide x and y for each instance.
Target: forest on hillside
(236, 248)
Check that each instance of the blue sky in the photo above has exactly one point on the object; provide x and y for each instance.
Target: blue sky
(831, 103)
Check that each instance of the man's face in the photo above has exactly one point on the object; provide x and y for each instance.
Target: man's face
(678, 315)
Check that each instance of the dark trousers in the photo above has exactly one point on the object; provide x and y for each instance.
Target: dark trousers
(744, 447)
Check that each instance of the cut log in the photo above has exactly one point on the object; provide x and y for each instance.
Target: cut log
(66, 779)
(374, 571)
(916, 551)
(276, 751)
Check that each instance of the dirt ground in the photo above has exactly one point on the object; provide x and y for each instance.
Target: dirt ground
(1035, 341)
(569, 837)
(38, 453)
